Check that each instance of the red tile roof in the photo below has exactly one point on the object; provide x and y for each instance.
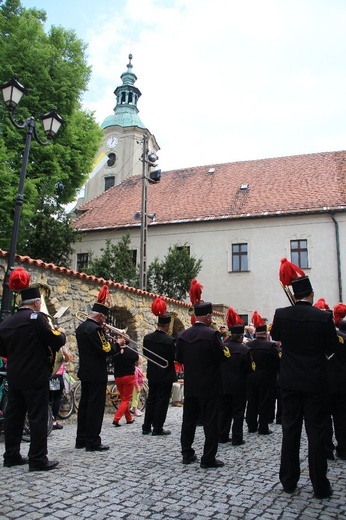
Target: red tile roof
(283, 185)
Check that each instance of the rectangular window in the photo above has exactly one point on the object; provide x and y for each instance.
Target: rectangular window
(239, 257)
(133, 253)
(82, 261)
(245, 318)
(109, 182)
(184, 248)
(299, 253)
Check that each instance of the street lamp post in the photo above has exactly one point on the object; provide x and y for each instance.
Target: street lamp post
(12, 92)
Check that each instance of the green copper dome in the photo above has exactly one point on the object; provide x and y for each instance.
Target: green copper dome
(127, 95)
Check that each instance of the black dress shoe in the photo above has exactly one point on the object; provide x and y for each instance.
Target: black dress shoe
(290, 490)
(264, 432)
(252, 430)
(190, 460)
(16, 462)
(327, 494)
(130, 422)
(100, 447)
(116, 424)
(215, 464)
(330, 456)
(146, 432)
(238, 443)
(50, 464)
(223, 441)
(161, 432)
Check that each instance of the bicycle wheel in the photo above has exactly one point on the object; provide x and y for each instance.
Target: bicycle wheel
(26, 428)
(114, 396)
(77, 392)
(143, 398)
(66, 404)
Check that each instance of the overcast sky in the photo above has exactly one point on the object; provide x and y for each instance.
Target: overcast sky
(221, 80)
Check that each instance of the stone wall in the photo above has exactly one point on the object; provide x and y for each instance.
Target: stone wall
(77, 291)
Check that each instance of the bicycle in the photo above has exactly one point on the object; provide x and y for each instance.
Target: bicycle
(67, 403)
(113, 395)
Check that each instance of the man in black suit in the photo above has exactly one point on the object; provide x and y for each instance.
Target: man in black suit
(337, 397)
(27, 341)
(200, 350)
(160, 378)
(93, 349)
(262, 382)
(307, 336)
(234, 373)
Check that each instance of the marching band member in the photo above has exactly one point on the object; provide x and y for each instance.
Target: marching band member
(27, 340)
(160, 379)
(234, 374)
(93, 349)
(200, 350)
(307, 335)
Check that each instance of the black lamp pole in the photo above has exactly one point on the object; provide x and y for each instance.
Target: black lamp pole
(12, 92)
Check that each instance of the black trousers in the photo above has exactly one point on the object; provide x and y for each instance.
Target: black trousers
(260, 407)
(90, 413)
(231, 408)
(336, 418)
(296, 407)
(156, 406)
(206, 410)
(35, 402)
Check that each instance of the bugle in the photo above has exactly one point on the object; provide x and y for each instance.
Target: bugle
(81, 316)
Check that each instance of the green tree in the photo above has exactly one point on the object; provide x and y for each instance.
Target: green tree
(115, 263)
(53, 68)
(172, 276)
(60, 232)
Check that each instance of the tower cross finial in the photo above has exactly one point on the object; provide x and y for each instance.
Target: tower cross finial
(129, 66)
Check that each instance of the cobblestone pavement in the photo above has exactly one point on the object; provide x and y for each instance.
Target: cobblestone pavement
(143, 477)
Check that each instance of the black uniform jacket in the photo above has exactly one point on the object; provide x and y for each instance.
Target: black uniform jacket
(201, 351)
(266, 357)
(307, 335)
(163, 345)
(25, 340)
(336, 366)
(235, 370)
(91, 342)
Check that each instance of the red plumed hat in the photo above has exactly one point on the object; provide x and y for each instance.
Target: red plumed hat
(339, 312)
(321, 304)
(19, 279)
(159, 307)
(232, 318)
(289, 272)
(104, 296)
(195, 292)
(257, 320)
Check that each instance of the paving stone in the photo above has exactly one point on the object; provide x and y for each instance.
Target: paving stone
(142, 477)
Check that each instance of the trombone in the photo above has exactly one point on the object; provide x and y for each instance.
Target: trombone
(82, 316)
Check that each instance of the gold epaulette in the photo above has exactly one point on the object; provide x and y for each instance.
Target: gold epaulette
(106, 346)
(226, 352)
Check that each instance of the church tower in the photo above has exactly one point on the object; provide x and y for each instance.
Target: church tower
(122, 147)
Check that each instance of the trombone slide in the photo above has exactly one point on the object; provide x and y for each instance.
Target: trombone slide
(81, 316)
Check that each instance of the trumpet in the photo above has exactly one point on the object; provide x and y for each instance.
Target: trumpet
(82, 316)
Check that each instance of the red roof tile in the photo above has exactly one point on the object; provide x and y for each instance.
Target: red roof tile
(286, 185)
